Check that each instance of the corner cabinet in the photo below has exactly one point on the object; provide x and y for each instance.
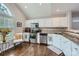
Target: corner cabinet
(75, 49)
(7, 45)
(68, 47)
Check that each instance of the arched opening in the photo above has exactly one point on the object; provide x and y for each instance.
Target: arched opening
(6, 22)
(4, 9)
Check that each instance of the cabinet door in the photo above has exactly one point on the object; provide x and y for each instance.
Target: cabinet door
(11, 44)
(0, 47)
(66, 46)
(7, 46)
(56, 41)
(26, 37)
(75, 49)
(4, 47)
(50, 39)
(33, 40)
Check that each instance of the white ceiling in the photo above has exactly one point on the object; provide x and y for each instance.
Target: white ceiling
(37, 10)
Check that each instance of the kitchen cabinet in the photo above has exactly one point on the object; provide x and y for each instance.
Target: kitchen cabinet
(69, 47)
(6, 45)
(75, 49)
(63, 41)
(66, 48)
(56, 41)
(64, 45)
(0, 47)
(33, 37)
(26, 36)
(49, 40)
(10, 44)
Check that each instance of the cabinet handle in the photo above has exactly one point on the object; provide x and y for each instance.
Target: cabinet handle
(76, 49)
(65, 41)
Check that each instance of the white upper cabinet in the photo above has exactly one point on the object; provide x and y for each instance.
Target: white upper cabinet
(49, 22)
(60, 22)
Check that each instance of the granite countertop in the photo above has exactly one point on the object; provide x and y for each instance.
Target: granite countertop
(73, 31)
(73, 39)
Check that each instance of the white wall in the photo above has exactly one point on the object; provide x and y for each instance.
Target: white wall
(49, 22)
(17, 15)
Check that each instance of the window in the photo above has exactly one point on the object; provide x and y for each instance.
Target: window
(4, 10)
(6, 20)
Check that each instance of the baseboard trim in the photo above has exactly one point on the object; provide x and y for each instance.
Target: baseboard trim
(35, 43)
(43, 44)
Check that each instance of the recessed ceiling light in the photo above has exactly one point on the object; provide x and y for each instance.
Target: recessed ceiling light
(40, 4)
(25, 6)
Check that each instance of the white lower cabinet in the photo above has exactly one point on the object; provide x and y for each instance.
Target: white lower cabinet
(0, 47)
(56, 41)
(26, 36)
(11, 44)
(50, 41)
(66, 48)
(33, 40)
(65, 45)
(6, 46)
(75, 49)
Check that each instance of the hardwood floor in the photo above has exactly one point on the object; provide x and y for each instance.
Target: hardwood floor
(26, 49)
